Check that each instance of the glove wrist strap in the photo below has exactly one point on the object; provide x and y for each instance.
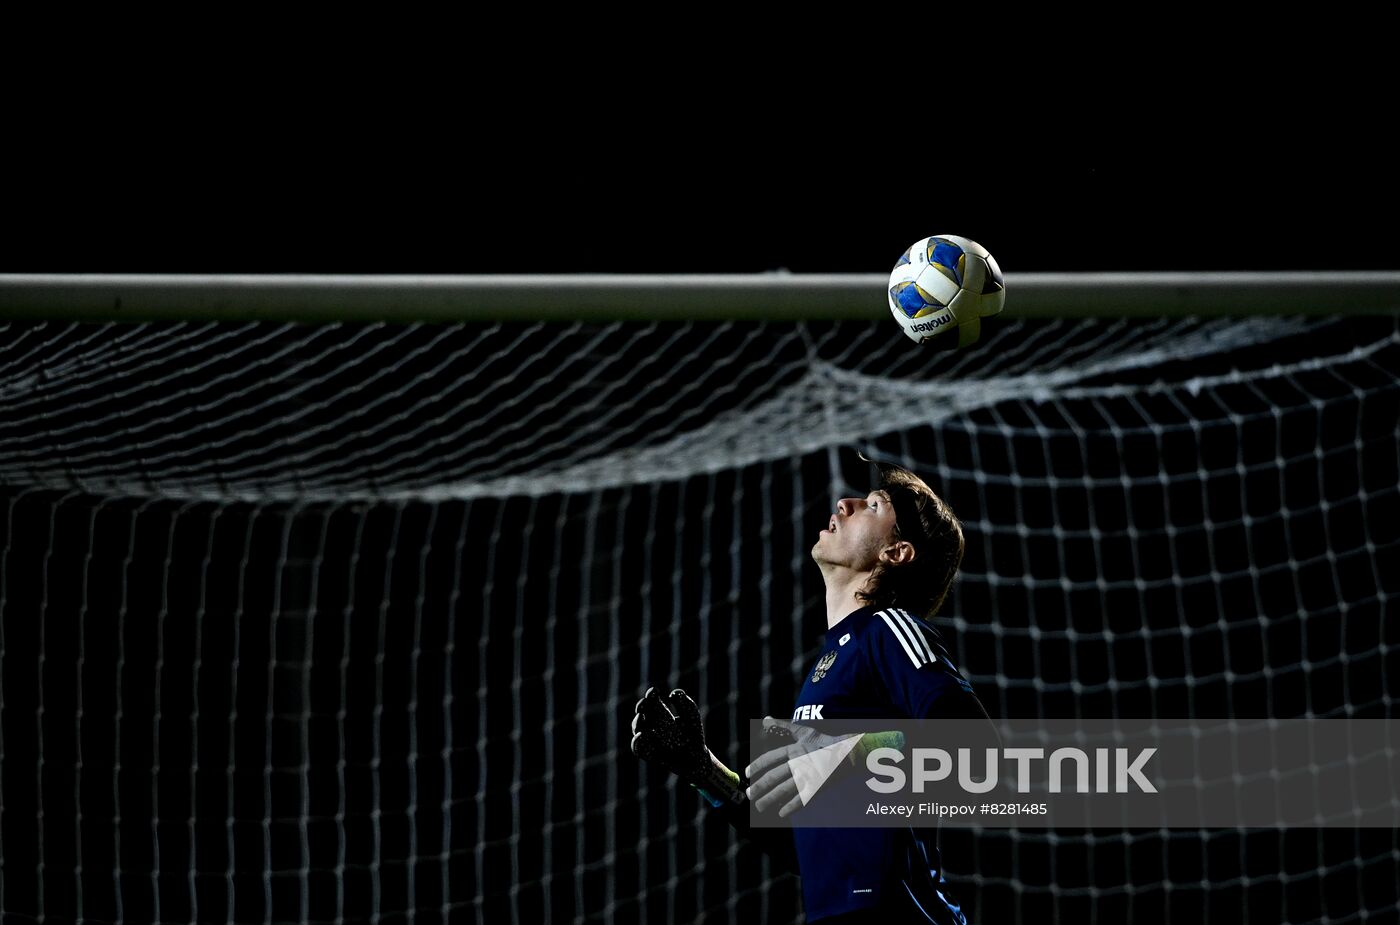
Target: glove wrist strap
(719, 785)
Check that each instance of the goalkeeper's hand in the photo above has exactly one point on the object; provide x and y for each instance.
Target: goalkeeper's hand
(773, 783)
(667, 731)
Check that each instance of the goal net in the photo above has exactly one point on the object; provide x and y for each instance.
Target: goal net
(345, 622)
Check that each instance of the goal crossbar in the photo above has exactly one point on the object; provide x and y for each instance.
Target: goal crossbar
(605, 297)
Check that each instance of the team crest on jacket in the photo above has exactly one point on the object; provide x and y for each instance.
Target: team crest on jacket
(823, 666)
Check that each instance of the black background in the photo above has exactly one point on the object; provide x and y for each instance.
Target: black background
(477, 172)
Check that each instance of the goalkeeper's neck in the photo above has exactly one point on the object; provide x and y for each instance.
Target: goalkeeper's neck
(842, 584)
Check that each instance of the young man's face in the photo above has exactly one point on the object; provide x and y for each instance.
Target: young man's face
(856, 535)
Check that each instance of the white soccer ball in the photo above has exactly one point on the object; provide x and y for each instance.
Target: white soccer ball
(945, 282)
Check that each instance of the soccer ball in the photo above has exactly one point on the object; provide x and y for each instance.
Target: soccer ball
(945, 282)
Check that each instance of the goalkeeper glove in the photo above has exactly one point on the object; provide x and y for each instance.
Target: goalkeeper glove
(667, 731)
(778, 781)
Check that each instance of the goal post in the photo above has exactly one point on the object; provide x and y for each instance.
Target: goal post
(640, 297)
(332, 619)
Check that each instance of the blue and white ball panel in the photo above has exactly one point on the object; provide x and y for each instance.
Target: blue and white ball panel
(947, 256)
(913, 299)
(935, 280)
(904, 273)
(968, 245)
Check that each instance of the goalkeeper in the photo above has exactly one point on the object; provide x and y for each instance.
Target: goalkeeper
(887, 560)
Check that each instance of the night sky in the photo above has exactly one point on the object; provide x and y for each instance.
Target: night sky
(311, 188)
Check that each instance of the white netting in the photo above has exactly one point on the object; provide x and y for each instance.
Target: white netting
(345, 622)
(304, 413)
